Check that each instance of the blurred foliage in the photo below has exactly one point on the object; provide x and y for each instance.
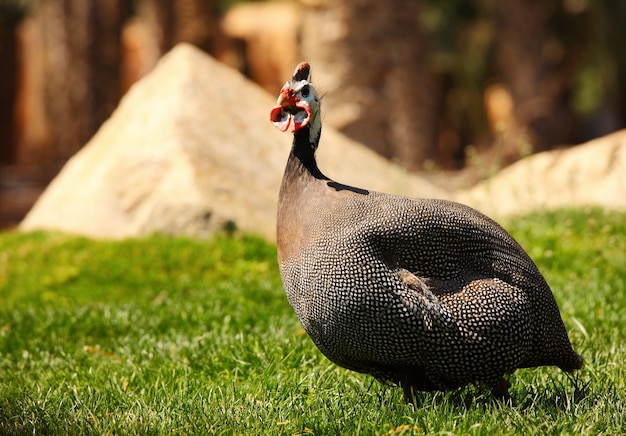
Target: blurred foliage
(14, 10)
(585, 40)
(223, 5)
(462, 36)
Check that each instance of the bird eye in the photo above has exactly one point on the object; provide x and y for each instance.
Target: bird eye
(305, 91)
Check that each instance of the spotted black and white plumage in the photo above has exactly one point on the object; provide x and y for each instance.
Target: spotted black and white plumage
(428, 294)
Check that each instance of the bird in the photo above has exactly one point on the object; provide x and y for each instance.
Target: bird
(425, 294)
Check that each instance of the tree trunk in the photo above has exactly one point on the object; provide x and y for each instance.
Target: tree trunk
(8, 86)
(369, 58)
(81, 61)
(192, 21)
(536, 68)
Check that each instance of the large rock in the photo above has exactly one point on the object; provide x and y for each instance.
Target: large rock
(190, 150)
(591, 174)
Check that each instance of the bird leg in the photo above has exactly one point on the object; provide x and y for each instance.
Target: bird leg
(500, 389)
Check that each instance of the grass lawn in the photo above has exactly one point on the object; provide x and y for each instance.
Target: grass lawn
(173, 335)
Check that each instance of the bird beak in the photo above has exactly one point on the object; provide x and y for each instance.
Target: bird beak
(287, 97)
(289, 109)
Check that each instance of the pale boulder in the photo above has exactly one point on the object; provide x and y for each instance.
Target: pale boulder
(190, 150)
(590, 174)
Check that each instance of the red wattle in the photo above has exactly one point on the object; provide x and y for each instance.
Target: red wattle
(302, 117)
(280, 118)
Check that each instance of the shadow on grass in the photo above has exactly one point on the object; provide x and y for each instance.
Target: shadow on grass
(556, 395)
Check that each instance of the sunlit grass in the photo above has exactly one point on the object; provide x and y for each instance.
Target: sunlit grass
(174, 335)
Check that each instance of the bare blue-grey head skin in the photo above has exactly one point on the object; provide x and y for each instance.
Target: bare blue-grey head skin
(427, 294)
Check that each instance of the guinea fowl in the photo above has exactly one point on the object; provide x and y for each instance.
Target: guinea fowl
(427, 294)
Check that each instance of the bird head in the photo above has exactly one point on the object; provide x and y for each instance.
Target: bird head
(297, 104)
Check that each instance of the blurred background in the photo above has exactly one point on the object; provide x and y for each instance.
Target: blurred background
(465, 87)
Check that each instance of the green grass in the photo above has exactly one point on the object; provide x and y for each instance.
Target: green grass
(172, 335)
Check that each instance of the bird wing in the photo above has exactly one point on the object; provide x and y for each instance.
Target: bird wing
(449, 245)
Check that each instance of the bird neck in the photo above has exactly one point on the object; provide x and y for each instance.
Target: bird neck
(302, 156)
(298, 192)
